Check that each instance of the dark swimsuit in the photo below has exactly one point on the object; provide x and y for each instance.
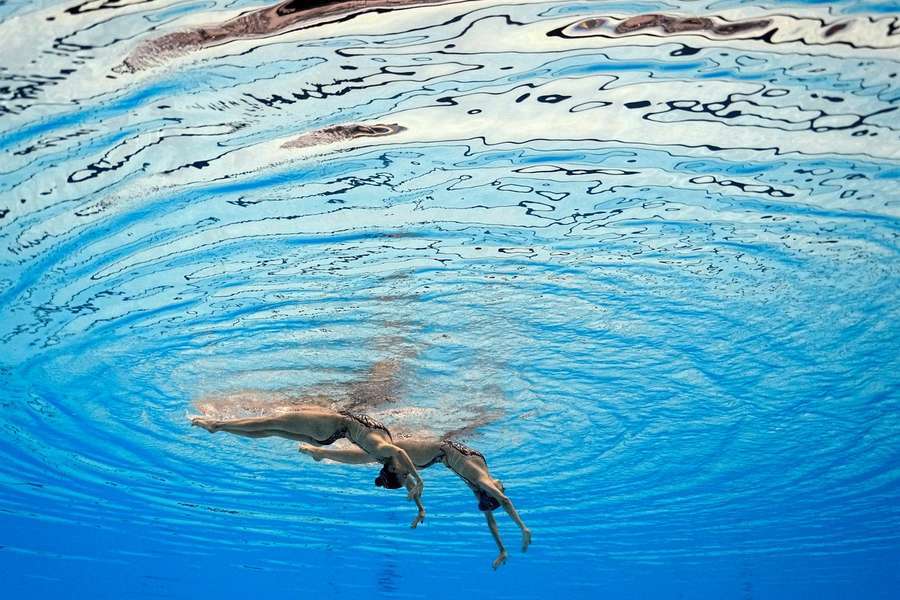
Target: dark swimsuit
(340, 433)
(364, 420)
(462, 449)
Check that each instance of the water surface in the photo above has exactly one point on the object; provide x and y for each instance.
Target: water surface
(662, 248)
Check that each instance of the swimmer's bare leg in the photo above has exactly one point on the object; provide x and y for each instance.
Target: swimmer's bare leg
(255, 423)
(492, 525)
(488, 485)
(350, 456)
(250, 424)
(299, 437)
(206, 423)
(255, 427)
(256, 434)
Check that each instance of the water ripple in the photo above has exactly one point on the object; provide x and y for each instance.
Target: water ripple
(656, 242)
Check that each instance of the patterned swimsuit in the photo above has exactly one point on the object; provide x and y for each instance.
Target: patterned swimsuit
(447, 457)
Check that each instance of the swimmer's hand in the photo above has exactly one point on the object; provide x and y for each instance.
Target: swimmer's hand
(526, 539)
(311, 451)
(419, 518)
(500, 560)
(204, 422)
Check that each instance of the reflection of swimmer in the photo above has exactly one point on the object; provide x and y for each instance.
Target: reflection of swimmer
(381, 384)
(260, 23)
(669, 24)
(320, 427)
(342, 133)
(470, 465)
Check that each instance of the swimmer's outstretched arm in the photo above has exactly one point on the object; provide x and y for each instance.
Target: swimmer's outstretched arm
(350, 456)
(492, 525)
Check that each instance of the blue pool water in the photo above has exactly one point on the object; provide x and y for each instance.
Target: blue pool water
(659, 254)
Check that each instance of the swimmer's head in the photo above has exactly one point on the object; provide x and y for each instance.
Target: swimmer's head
(486, 503)
(389, 478)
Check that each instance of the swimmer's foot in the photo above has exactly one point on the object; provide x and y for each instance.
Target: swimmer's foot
(211, 425)
(500, 560)
(310, 450)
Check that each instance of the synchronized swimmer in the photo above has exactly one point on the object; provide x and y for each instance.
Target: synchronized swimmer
(468, 464)
(317, 426)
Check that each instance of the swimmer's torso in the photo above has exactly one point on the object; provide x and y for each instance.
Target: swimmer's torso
(359, 428)
(469, 464)
(464, 461)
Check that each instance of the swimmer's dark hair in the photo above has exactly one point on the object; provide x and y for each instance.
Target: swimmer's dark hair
(388, 478)
(486, 502)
